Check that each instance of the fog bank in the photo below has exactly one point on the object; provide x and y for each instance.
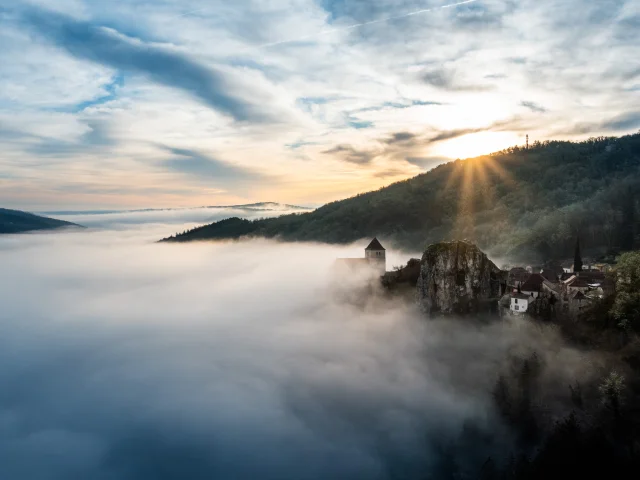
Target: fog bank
(125, 359)
(175, 217)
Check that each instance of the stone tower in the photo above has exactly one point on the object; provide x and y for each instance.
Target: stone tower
(375, 254)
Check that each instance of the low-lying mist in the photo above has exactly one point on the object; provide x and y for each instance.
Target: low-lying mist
(125, 359)
(176, 217)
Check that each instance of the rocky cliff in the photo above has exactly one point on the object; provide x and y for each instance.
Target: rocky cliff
(458, 278)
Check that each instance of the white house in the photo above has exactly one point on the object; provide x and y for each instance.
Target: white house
(520, 302)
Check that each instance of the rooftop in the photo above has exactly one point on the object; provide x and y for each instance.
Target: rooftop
(375, 245)
(580, 296)
(579, 282)
(533, 283)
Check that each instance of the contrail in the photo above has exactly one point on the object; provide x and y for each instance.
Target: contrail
(358, 25)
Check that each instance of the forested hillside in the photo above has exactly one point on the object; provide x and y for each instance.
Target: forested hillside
(15, 221)
(518, 202)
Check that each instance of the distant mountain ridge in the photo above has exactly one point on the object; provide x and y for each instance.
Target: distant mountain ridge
(518, 202)
(249, 206)
(16, 221)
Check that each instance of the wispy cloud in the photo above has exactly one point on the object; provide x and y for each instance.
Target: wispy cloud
(623, 122)
(400, 137)
(88, 89)
(351, 154)
(199, 165)
(160, 64)
(534, 107)
(449, 79)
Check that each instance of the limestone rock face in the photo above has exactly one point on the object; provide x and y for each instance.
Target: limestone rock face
(458, 278)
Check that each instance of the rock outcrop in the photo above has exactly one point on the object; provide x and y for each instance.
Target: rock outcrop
(458, 278)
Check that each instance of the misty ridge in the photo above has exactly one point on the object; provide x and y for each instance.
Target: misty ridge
(124, 359)
(127, 219)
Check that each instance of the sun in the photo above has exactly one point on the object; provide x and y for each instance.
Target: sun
(476, 144)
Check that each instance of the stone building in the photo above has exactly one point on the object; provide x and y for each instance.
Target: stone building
(375, 254)
(375, 258)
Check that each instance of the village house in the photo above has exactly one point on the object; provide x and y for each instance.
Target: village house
(552, 272)
(576, 286)
(579, 302)
(516, 277)
(520, 303)
(533, 286)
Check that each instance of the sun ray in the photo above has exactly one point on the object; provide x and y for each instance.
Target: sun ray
(455, 175)
(499, 170)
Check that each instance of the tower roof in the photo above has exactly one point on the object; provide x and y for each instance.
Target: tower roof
(375, 245)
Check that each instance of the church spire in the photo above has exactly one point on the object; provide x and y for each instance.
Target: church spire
(577, 259)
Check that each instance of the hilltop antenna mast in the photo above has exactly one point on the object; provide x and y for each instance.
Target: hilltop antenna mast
(527, 141)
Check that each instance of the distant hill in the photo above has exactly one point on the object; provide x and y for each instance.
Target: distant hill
(15, 221)
(180, 216)
(518, 202)
(261, 206)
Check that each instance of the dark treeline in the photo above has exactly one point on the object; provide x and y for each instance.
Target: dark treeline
(516, 202)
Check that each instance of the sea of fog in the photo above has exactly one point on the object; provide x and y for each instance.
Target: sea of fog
(125, 359)
(173, 218)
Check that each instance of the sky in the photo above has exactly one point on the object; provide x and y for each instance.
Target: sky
(140, 103)
(125, 359)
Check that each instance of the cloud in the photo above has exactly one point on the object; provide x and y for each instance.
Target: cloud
(626, 121)
(620, 123)
(396, 105)
(449, 79)
(358, 124)
(97, 136)
(110, 93)
(391, 172)
(534, 107)
(400, 137)
(234, 360)
(449, 134)
(352, 155)
(169, 67)
(199, 165)
(479, 15)
(147, 71)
